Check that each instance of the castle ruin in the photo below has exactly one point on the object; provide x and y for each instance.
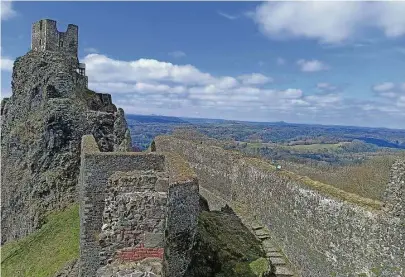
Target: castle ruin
(62, 143)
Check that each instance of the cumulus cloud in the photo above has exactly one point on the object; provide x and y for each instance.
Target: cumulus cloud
(177, 54)
(7, 10)
(254, 79)
(311, 65)
(384, 87)
(329, 21)
(389, 90)
(153, 86)
(171, 82)
(326, 87)
(106, 69)
(5, 62)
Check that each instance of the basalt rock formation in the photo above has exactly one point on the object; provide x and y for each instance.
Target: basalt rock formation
(42, 124)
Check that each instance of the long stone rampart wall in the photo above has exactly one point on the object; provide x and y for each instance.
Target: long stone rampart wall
(323, 230)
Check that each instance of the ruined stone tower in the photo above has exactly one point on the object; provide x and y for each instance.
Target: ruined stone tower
(45, 36)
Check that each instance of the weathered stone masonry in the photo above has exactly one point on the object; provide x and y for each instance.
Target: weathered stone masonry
(134, 206)
(324, 231)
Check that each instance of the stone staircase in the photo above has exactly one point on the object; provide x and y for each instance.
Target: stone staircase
(282, 266)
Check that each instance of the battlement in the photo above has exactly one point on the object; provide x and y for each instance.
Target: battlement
(45, 36)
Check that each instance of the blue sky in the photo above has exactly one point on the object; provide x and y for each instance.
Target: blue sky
(312, 62)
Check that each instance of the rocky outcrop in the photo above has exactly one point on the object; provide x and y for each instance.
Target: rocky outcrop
(42, 123)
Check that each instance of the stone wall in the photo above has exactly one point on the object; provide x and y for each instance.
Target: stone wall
(45, 36)
(96, 169)
(183, 209)
(135, 205)
(134, 214)
(324, 231)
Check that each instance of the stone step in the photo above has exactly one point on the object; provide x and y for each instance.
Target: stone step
(274, 254)
(277, 261)
(282, 271)
(264, 237)
(256, 226)
(271, 249)
(262, 232)
(267, 244)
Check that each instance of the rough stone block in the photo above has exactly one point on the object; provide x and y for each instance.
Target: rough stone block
(154, 240)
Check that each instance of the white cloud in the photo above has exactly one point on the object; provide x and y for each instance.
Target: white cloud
(311, 65)
(7, 10)
(329, 21)
(390, 17)
(401, 101)
(280, 61)
(391, 93)
(291, 93)
(177, 54)
(326, 87)
(384, 87)
(152, 86)
(6, 64)
(254, 79)
(388, 94)
(106, 69)
(324, 100)
(227, 16)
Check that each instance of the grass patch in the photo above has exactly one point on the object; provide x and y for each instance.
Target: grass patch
(46, 251)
